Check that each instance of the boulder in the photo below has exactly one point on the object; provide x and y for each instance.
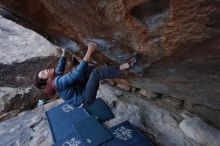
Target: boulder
(19, 44)
(15, 100)
(176, 42)
(196, 129)
(23, 53)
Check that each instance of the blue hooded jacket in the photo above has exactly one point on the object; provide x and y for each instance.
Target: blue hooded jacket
(70, 86)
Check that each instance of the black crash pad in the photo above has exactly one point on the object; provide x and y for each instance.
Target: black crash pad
(87, 132)
(100, 110)
(61, 119)
(125, 134)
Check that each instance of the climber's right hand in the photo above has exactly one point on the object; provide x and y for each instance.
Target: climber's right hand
(91, 47)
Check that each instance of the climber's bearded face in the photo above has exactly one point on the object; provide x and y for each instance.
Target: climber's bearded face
(46, 74)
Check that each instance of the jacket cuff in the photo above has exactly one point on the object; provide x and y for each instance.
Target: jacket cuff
(83, 64)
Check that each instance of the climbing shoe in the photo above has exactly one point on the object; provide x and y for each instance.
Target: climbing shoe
(132, 61)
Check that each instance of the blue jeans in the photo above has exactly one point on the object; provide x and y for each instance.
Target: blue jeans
(92, 85)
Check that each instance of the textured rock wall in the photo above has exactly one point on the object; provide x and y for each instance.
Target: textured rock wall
(152, 27)
(22, 54)
(177, 41)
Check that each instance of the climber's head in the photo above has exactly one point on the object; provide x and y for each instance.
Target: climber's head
(46, 74)
(42, 76)
(44, 80)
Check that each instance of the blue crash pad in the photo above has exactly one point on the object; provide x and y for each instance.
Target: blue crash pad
(100, 110)
(87, 132)
(61, 119)
(125, 134)
(72, 139)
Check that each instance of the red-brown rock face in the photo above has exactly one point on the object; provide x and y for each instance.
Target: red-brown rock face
(177, 40)
(153, 27)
